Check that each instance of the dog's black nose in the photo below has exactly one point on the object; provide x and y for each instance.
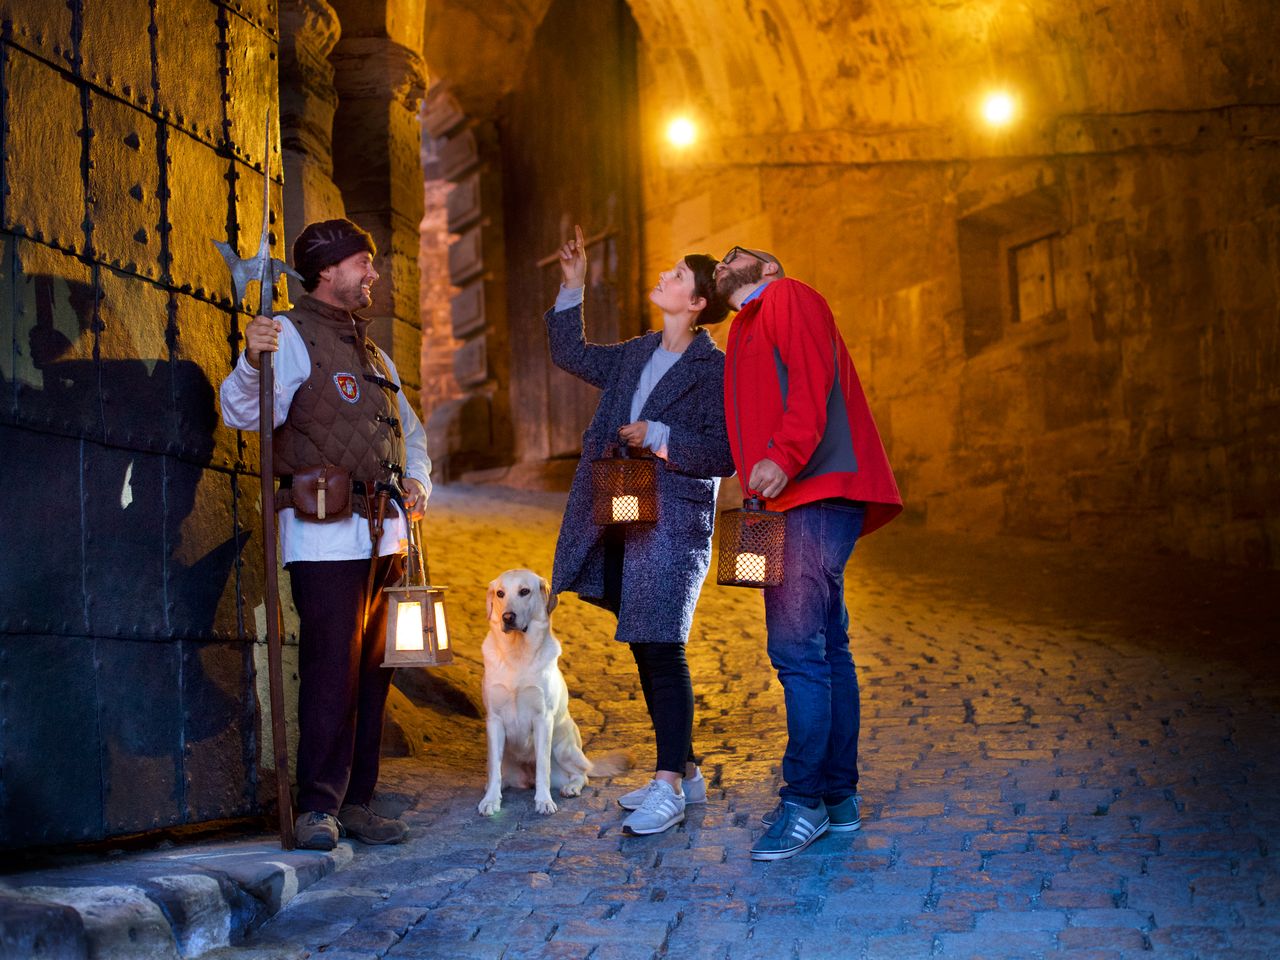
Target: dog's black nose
(508, 618)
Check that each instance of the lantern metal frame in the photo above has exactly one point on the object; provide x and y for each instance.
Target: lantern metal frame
(622, 475)
(437, 649)
(755, 532)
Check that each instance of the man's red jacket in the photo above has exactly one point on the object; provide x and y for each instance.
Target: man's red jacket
(791, 394)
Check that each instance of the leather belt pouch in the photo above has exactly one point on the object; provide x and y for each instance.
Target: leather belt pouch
(319, 494)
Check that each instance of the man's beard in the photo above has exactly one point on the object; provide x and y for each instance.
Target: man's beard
(730, 281)
(353, 296)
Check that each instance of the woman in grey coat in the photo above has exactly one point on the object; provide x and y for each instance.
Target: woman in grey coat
(664, 393)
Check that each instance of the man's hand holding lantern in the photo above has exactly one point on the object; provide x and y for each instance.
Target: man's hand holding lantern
(767, 479)
(415, 498)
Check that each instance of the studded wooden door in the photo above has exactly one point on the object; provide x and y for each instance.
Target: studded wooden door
(570, 155)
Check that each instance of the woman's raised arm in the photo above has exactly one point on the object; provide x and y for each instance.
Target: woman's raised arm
(570, 351)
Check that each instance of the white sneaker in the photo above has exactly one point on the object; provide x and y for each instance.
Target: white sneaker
(662, 809)
(695, 791)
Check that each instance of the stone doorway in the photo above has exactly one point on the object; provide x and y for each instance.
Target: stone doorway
(562, 148)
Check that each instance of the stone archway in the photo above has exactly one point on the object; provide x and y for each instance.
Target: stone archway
(558, 147)
(845, 137)
(1060, 321)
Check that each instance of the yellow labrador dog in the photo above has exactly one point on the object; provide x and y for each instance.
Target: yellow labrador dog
(532, 739)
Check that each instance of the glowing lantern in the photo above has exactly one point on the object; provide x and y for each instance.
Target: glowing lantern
(624, 489)
(750, 545)
(417, 631)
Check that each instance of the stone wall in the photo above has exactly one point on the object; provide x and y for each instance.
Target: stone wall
(309, 30)
(380, 79)
(132, 137)
(1125, 399)
(439, 385)
(1069, 330)
(469, 424)
(1068, 327)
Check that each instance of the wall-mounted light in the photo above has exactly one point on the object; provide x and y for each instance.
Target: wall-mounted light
(681, 132)
(999, 107)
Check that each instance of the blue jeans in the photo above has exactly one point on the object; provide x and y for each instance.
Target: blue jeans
(808, 627)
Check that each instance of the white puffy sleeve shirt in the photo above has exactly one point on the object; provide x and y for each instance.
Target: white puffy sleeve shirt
(346, 539)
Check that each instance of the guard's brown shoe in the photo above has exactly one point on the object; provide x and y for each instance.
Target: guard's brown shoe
(368, 827)
(316, 831)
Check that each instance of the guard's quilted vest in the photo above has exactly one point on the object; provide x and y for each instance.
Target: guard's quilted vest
(346, 412)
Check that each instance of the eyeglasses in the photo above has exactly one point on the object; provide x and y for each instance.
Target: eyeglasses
(732, 255)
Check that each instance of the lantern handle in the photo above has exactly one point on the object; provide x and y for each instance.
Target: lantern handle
(422, 554)
(753, 502)
(417, 557)
(624, 451)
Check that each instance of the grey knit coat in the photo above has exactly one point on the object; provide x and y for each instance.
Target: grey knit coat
(664, 562)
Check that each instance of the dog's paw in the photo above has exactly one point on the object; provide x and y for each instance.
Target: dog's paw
(571, 789)
(489, 806)
(545, 805)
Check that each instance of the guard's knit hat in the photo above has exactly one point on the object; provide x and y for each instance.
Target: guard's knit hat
(325, 243)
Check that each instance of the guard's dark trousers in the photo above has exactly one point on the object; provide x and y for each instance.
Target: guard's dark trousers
(342, 683)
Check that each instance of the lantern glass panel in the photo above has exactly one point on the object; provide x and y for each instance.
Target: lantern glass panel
(749, 566)
(442, 629)
(626, 509)
(408, 614)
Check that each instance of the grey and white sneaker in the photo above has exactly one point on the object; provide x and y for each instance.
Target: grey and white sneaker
(846, 816)
(661, 809)
(695, 791)
(795, 828)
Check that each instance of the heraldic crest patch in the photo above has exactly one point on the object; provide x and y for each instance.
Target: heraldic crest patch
(348, 386)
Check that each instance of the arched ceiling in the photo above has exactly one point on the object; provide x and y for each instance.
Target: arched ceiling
(752, 67)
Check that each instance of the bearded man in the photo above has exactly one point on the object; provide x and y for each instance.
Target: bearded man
(803, 438)
(351, 456)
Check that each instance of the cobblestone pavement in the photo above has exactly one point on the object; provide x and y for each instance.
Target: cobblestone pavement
(1061, 754)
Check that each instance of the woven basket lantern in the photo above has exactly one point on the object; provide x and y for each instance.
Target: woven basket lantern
(624, 489)
(751, 542)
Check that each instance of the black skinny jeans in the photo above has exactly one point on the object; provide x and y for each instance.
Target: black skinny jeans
(668, 693)
(664, 672)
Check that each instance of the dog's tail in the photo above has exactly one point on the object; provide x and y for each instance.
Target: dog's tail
(609, 764)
